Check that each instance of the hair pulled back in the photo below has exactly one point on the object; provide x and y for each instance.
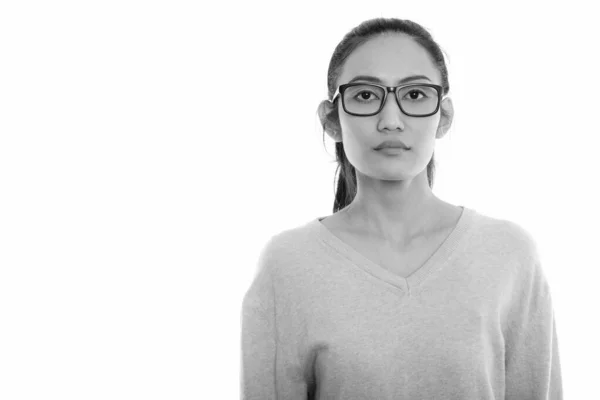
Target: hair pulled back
(346, 181)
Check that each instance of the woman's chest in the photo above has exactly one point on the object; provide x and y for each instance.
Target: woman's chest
(402, 262)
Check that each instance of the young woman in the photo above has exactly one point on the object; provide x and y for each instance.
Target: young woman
(398, 294)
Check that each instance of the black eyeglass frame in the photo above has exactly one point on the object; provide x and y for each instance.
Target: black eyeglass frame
(387, 89)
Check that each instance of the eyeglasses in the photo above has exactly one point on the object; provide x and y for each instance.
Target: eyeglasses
(364, 99)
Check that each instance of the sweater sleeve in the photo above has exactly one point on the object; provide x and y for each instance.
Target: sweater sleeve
(257, 374)
(268, 363)
(532, 362)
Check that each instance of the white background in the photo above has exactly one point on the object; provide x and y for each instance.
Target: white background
(148, 150)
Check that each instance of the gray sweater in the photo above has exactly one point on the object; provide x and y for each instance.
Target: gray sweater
(475, 322)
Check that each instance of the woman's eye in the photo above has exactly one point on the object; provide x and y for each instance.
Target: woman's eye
(365, 95)
(414, 94)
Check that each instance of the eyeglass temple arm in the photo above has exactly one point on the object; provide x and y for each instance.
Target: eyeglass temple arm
(337, 91)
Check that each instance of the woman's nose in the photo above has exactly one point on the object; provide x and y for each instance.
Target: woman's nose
(391, 115)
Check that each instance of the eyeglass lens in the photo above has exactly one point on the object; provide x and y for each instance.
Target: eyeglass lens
(415, 100)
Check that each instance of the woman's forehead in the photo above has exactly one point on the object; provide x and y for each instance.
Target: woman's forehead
(389, 58)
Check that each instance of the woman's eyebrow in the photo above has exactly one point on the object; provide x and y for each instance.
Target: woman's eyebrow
(377, 80)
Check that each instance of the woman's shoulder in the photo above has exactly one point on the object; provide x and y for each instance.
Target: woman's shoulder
(503, 236)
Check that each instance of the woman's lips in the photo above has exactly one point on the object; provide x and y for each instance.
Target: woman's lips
(392, 150)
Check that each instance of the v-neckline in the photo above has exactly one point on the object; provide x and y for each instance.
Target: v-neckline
(412, 282)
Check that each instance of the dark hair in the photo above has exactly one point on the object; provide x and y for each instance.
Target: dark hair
(346, 187)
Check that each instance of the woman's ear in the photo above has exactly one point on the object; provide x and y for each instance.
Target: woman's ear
(447, 115)
(328, 116)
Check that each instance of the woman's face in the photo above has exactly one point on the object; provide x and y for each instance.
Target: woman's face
(390, 59)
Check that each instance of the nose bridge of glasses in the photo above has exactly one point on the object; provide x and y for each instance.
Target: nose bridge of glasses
(394, 97)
